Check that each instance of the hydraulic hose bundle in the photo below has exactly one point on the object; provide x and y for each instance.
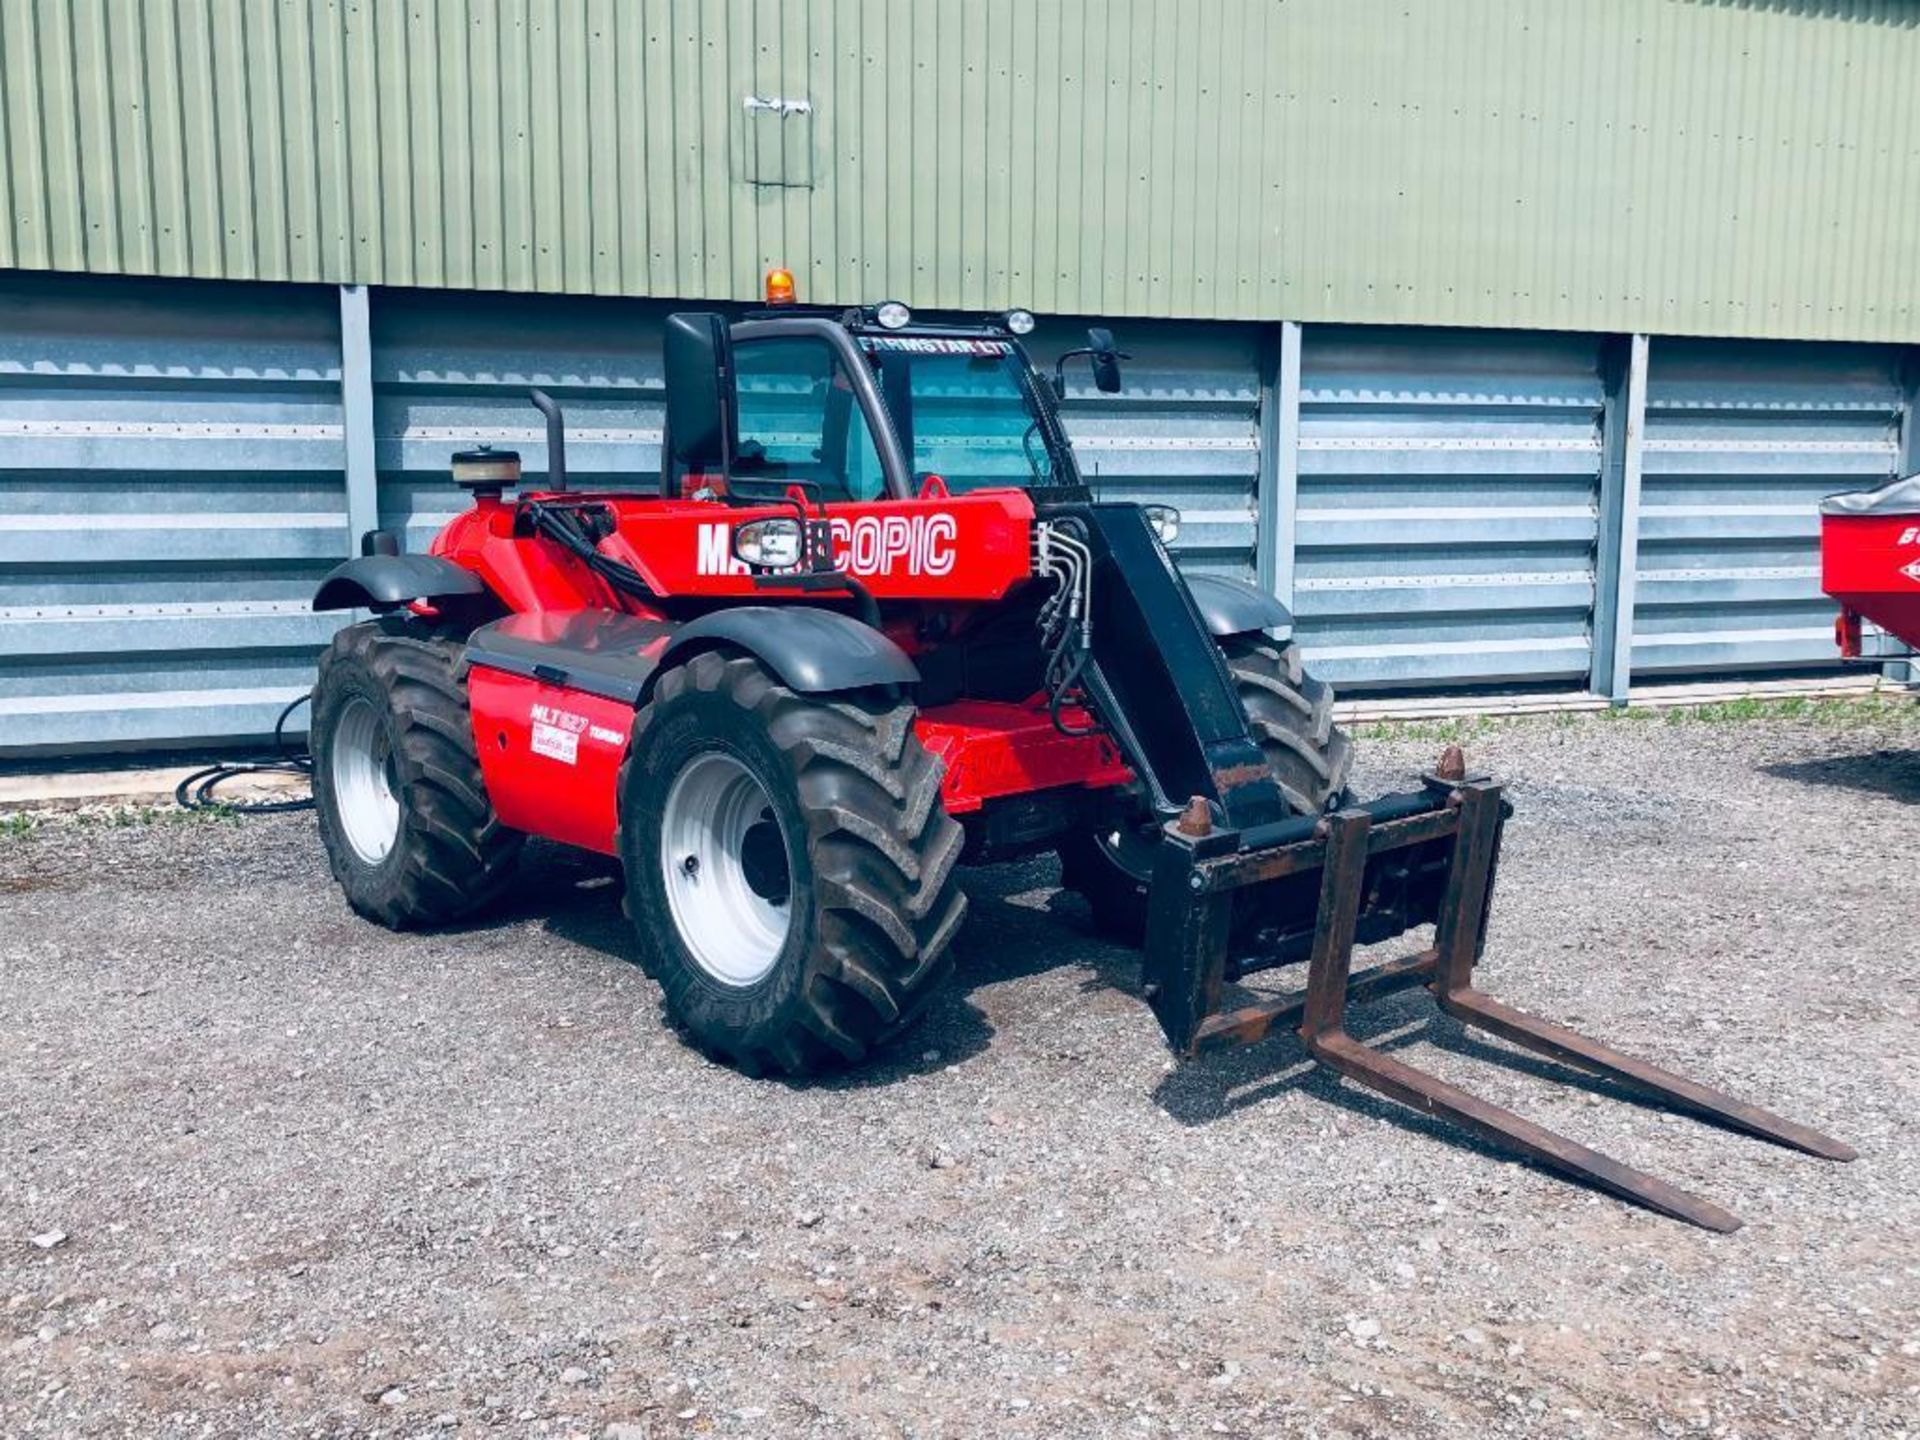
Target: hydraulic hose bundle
(567, 527)
(1065, 621)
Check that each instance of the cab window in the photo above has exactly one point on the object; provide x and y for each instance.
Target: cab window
(800, 421)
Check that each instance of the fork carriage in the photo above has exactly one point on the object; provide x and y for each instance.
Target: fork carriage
(1380, 870)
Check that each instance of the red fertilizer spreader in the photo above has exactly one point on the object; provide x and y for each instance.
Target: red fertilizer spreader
(1870, 563)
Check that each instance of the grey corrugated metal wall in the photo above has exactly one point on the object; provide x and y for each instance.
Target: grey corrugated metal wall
(1184, 431)
(170, 491)
(449, 370)
(1447, 505)
(174, 458)
(1742, 441)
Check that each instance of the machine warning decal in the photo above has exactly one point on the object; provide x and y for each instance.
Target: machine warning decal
(556, 733)
(556, 744)
(935, 345)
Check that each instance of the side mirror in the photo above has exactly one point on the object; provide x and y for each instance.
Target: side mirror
(1101, 355)
(1105, 360)
(699, 369)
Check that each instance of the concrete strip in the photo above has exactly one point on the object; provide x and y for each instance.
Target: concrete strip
(66, 788)
(1646, 697)
(82, 787)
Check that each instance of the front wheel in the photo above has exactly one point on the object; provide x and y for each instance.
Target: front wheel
(790, 869)
(1289, 713)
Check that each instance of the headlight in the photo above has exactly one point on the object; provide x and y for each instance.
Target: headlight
(1164, 521)
(768, 544)
(892, 315)
(1020, 322)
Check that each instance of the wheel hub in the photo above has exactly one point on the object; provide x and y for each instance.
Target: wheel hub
(366, 790)
(763, 860)
(728, 876)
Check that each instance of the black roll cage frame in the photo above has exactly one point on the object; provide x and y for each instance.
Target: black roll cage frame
(841, 334)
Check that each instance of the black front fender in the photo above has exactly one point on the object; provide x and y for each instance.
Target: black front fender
(386, 582)
(810, 649)
(1233, 607)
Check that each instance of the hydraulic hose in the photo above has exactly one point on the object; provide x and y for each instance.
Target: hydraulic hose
(198, 790)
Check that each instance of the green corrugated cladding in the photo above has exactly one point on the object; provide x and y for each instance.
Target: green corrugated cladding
(1662, 165)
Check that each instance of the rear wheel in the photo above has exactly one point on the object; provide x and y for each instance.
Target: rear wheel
(409, 832)
(790, 869)
(1289, 712)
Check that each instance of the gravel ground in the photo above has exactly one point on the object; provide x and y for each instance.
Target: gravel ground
(270, 1170)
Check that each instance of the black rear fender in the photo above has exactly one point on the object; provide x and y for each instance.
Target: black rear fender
(386, 582)
(621, 657)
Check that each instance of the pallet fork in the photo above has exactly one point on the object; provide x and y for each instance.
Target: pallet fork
(1380, 870)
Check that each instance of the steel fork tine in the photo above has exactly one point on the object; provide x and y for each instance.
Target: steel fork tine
(1477, 1008)
(1323, 1018)
(1435, 1096)
(1460, 934)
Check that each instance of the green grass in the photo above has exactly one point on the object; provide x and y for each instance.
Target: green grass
(18, 824)
(1889, 711)
(1828, 713)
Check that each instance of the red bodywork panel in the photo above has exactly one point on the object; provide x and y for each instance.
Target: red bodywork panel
(1870, 563)
(993, 750)
(550, 756)
(952, 548)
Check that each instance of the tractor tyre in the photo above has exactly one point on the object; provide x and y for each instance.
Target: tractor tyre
(404, 815)
(1290, 713)
(789, 865)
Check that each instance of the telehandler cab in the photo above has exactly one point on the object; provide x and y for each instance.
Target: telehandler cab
(873, 623)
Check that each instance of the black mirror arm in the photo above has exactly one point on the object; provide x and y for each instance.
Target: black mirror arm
(1060, 370)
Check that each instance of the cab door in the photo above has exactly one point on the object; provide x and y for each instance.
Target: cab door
(801, 421)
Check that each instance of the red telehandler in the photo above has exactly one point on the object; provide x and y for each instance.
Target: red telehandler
(873, 623)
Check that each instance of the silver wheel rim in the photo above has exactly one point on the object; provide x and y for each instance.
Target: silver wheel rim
(363, 786)
(727, 872)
